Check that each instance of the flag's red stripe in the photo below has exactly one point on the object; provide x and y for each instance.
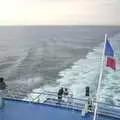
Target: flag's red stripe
(111, 63)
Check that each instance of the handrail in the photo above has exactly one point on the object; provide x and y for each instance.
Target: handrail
(55, 94)
(77, 103)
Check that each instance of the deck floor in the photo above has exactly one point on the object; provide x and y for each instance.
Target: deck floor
(19, 110)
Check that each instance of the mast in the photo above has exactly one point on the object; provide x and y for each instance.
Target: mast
(100, 80)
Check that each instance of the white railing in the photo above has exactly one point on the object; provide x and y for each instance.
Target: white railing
(50, 98)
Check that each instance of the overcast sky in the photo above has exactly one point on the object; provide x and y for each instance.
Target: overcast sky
(59, 12)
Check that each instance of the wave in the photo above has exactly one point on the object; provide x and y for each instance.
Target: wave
(85, 72)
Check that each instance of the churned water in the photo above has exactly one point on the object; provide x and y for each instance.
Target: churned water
(48, 57)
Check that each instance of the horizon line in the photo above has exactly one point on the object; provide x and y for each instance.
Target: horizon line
(60, 25)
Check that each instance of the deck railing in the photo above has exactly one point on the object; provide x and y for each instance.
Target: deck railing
(69, 102)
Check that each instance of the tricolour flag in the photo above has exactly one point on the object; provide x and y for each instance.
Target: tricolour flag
(109, 53)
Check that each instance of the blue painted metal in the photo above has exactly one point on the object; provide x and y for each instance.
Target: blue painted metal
(24, 110)
(51, 109)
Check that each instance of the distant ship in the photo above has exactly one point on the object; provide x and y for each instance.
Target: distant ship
(46, 105)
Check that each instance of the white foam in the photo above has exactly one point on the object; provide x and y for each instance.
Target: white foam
(111, 88)
(85, 72)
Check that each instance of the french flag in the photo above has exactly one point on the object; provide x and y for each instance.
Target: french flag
(109, 53)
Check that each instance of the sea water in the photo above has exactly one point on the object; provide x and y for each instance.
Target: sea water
(34, 58)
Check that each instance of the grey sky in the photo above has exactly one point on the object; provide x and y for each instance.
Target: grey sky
(59, 12)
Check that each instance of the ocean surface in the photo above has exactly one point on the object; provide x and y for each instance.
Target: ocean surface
(34, 58)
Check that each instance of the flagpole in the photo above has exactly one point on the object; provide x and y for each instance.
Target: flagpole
(100, 80)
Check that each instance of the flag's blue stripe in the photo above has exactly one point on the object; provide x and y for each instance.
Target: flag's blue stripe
(108, 49)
